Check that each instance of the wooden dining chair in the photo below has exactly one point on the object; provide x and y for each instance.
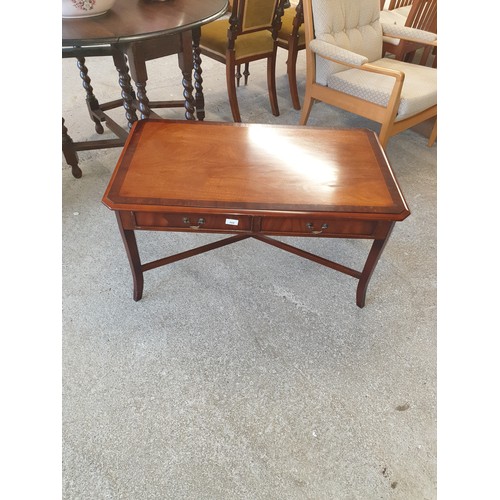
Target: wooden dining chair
(420, 14)
(250, 34)
(291, 37)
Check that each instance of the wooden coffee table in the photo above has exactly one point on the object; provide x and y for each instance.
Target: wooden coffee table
(254, 181)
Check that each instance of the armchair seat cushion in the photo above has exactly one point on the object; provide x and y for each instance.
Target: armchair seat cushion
(419, 89)
(214, 37)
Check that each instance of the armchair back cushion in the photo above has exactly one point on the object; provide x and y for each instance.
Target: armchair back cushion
(350, 24)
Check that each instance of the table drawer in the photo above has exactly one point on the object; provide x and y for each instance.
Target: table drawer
(195, 222)
(315, 227)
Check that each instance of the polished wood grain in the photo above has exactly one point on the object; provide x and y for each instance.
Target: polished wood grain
(133, 20)
(255, 167)
(256, 181)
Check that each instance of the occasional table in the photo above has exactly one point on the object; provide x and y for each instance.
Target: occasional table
(133, 32)
(254, 181)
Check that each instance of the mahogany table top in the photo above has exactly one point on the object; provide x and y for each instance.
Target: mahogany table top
(133, 20)
(253, 168)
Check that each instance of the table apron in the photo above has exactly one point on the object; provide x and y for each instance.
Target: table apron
(326, 227)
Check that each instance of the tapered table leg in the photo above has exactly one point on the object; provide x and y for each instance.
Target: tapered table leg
(371, 261)
(134, 259)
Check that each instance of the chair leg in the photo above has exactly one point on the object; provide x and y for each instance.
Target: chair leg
(238, 75)
(408, 57)
(306, 107)
(424, 56)
(432, 137)
(384, 134)
(231, 91)
(246, 73)
(271, 83)
(291, 70)
(434, 53)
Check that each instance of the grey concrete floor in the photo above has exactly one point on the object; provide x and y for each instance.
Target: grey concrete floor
(247, 372)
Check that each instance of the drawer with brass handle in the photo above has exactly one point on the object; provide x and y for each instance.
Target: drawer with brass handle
(316, 227)
(194, 222)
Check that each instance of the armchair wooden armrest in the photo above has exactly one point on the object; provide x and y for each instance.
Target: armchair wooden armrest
(355, 104)
(338, 55)
(332, 52)
(398, 32)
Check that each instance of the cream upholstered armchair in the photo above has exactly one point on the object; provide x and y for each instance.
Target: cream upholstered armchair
(345, 67)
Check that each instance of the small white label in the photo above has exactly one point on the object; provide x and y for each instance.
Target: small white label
(232, 222)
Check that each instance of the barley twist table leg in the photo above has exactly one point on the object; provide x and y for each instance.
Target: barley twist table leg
(128, 94)
(144, 108)
(198, 80)
(92, 102)
(185, 58)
